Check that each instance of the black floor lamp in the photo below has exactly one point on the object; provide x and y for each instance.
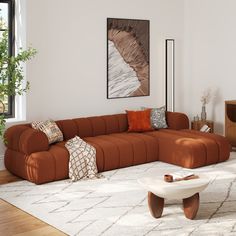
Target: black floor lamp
(170, 74)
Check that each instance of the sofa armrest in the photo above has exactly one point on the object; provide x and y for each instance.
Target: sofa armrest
(177, 120)
(24, 139)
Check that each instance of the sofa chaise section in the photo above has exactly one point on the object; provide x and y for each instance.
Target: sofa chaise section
(191, 149)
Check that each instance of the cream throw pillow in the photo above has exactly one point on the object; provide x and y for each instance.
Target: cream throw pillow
(50, 128)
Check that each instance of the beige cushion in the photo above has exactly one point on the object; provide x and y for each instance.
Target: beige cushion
(50, 128)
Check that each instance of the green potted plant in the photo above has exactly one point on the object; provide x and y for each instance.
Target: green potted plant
(11, 75)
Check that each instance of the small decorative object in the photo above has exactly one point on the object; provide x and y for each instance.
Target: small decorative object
(205, 128)
(196, 118)
(205, 99)
(179, 176)
(203, 113)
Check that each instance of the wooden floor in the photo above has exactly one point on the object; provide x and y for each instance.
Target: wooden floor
(14, 221)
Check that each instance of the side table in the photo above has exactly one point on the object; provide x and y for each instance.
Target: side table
(197, 125)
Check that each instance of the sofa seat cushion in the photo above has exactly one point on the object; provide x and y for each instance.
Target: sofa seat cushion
(191, 149)
(39, 167)
(120, 150)
(112, 151)
(224, 147)
(123, 149)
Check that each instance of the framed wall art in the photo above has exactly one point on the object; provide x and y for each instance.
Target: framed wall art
(127, 58)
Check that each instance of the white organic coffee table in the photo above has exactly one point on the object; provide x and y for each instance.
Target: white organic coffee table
(188, 190)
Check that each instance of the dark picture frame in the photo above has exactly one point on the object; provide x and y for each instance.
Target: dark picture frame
(128, 55)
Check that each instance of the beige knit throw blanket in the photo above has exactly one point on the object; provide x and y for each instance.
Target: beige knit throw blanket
(82, 163)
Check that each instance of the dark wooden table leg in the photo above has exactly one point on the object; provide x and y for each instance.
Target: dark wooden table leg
(155, 205)
(191, 206)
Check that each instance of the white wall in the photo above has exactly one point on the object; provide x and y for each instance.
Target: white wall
(68, 75)
(210, 56)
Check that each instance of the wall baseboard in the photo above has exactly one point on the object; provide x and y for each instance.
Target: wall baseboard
(2, 166)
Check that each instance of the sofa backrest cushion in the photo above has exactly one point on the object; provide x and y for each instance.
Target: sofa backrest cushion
(93, 126)
(68, 128)
(177, 120)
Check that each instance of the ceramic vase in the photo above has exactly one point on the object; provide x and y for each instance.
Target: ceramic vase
(203, 113)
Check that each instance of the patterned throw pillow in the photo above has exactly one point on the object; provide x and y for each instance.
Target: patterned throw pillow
(82, 163)
(158, 117)
(50, 128)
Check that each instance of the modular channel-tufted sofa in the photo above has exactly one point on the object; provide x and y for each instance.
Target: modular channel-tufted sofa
(29, 155)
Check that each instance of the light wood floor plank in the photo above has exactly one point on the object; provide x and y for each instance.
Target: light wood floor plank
(7, 177)
(46, 230)
(14, 221)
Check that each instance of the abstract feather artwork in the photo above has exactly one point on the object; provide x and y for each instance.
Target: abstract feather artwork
(127, 58)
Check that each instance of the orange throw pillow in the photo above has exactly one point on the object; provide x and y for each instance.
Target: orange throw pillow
(139, 121)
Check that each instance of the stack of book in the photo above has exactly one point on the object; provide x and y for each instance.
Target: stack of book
(180, 175)
(205, 128)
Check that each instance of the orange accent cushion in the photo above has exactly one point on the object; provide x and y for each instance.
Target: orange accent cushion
(139, 121)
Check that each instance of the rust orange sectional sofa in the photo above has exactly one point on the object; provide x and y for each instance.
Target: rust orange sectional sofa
(29, 155)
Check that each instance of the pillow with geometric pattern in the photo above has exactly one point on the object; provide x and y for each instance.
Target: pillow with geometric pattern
(50, 128)
(158, 117)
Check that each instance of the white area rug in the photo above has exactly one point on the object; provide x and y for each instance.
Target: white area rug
(117, 204)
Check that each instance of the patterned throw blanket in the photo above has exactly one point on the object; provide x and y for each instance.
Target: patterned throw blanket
(82, 163)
